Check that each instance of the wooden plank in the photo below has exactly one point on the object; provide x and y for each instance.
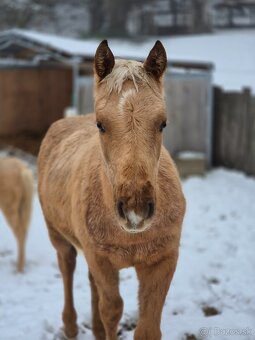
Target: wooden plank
(217, 126)
(31, 99)
(86, 98)
(234, 141)
(250, 143)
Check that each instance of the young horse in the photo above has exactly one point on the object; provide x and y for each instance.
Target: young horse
(16, 194)
(115, 193)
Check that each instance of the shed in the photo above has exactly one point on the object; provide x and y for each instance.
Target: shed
(41, 75)
(37, 83)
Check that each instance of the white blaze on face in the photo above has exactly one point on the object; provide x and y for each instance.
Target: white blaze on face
(125, 96)
(133, 218)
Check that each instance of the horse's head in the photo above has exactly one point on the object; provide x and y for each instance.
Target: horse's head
(130, 113)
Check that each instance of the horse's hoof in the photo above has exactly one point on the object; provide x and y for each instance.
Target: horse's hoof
(20, 269)
(71, 332)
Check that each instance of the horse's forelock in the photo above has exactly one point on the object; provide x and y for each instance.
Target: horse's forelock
(126, 70)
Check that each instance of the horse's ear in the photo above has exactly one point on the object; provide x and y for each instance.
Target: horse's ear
(104, 60)
(156, 62)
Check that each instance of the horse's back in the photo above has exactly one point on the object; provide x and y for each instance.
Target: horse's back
(15, 178)
(63, 128)
(67, 126)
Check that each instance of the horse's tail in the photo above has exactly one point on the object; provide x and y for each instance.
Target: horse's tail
(27, 198)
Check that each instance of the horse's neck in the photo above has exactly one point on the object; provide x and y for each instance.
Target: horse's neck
(105, 187)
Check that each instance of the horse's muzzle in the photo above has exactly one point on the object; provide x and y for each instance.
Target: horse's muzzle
(135, 219)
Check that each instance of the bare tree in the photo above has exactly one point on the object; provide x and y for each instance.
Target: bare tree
(96, 10)
(173, 4)
(110, 16)
(21, 14)
(200, 16)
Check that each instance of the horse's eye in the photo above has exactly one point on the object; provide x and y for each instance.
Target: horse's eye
(162, 126)
(101, 127)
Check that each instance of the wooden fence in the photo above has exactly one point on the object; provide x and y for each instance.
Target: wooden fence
(234, 130)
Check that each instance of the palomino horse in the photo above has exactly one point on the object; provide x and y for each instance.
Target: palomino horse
(107, 186)
(16, 194)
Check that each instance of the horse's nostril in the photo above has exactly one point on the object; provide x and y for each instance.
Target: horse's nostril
(151, 208)
(120, 208)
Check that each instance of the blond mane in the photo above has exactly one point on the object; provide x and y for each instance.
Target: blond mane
(126, 70)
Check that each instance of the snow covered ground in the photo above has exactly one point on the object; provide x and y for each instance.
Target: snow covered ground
(215, 274)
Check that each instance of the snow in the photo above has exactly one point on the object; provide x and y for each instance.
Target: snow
(68, 45)
(188, 155)
(216, 269)
(231, 52)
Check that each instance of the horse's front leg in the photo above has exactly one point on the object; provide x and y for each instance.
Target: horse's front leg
(110, 304)
(154, 284)
(97, 325)
(66, 260)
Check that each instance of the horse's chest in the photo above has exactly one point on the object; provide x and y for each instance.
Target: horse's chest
(125, 253)
(121, 248)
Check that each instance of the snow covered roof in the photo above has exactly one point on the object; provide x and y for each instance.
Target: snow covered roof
(12, 40)
(45, 46)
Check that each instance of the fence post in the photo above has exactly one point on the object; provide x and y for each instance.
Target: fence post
(216, 135)
(250, 134)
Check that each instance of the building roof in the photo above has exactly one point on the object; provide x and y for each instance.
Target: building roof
(20, 45)
(14, 41)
